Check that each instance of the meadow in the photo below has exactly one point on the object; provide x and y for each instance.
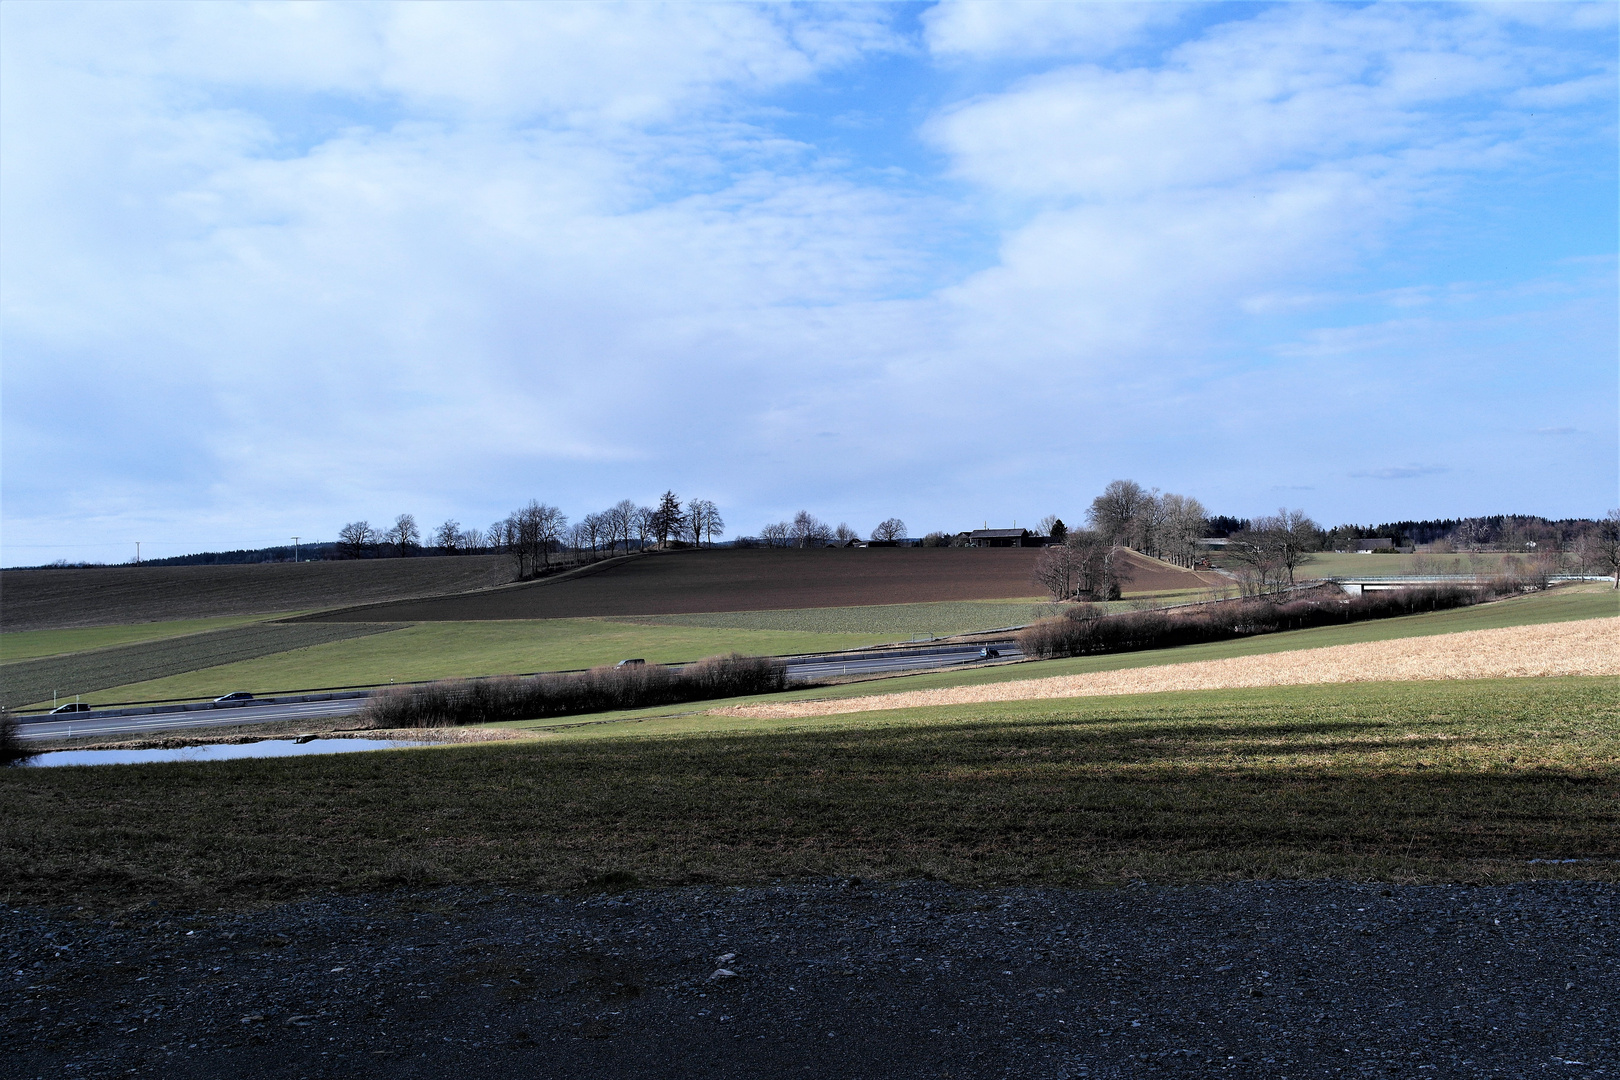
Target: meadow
(366, 656)
(1411, 782)
(1565, 604)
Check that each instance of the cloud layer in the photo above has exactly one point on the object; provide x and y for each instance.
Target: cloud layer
(270, 268)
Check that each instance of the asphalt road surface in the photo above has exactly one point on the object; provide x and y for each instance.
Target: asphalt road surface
(63, 727)
(799, 667)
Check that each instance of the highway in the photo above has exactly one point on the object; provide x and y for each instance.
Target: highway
(806, 668)
(62, 727)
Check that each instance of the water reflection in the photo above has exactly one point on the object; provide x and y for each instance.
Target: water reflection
(215, 752)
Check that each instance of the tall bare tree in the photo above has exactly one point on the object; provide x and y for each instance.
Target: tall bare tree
(447, 537)
(403, 535)
(1271, 549)
(356, 539)
(1113, 513)
(809, 530)
(777, 534)
(595, 530)
(1608, 544)
(844, 534)
(1057, 570)
(1185, 521)
(621, 522)
(889, 529)
(713, 524)
(643, 522)
(1100, 574)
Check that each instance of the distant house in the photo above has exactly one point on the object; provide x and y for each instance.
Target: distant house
(1001, 538)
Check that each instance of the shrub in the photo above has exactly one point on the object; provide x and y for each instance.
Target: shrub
(487, 701)
(11, 745)
(1084, 631)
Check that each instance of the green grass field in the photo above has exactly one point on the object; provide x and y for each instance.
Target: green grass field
(1337, 564)
(1565, 604)
(30, 644)
(1416, 782)
(451, 650)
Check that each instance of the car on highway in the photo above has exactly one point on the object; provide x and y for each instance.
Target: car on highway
(72, 707)
(240, 695)
(637, 662)
(989, 654)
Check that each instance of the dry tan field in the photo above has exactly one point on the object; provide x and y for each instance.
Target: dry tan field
(1589, 647)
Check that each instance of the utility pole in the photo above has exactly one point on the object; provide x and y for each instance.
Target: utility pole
(137, 553)
(295, 549)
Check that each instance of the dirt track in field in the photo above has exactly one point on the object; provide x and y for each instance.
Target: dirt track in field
(689, 582)
(1589, 647)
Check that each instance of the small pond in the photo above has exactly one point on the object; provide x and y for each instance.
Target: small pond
(214, 752)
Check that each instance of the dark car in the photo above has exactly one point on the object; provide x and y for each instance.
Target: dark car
(637, 662)
(72, 706)
(240, 695)
(989, 654)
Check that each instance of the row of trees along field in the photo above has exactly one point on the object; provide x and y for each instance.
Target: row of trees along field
(1265, 553)
(807, 531)
(538, 536)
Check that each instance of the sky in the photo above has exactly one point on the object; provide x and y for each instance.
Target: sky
(268, 268)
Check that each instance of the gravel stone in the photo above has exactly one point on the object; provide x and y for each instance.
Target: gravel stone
(830, 979)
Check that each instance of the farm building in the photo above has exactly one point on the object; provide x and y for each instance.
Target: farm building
(1002, 538)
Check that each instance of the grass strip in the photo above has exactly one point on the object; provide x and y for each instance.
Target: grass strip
(32, 644)
(29, 681)
(1417, 782)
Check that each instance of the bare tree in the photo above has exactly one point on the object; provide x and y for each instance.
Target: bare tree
(889, 529)
(471, 541)
(622, 521)
(1272, 548)
(643, 522)
(1057, 570)
(844, 534)
(595, 528)
(1100, 574)
(699, 512)
(713, 524)
(1608, 544)
(1046, 524)
(776, 535)
(1149, 524)
(356, 539)
(809, 530)
(404, 534)
(447, 537)
(1185, 521)
(1113, 513)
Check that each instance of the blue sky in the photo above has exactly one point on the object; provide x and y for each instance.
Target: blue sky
(265, 269)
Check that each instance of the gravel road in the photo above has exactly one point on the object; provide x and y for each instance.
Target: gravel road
(834, 979)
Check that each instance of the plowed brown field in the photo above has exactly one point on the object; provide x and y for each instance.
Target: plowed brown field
(1589, 647)
(726, 579)
(115, 595)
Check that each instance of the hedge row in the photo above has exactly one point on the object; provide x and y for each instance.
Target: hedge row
(486, 701)
(1084, 631)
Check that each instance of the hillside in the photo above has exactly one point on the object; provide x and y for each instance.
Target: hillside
(728, 579)
(105, 596)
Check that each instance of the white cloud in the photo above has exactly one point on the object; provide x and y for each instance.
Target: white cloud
(313, 263)
(961, 28)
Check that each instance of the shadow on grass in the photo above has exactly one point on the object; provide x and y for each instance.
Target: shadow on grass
(1086, 796)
